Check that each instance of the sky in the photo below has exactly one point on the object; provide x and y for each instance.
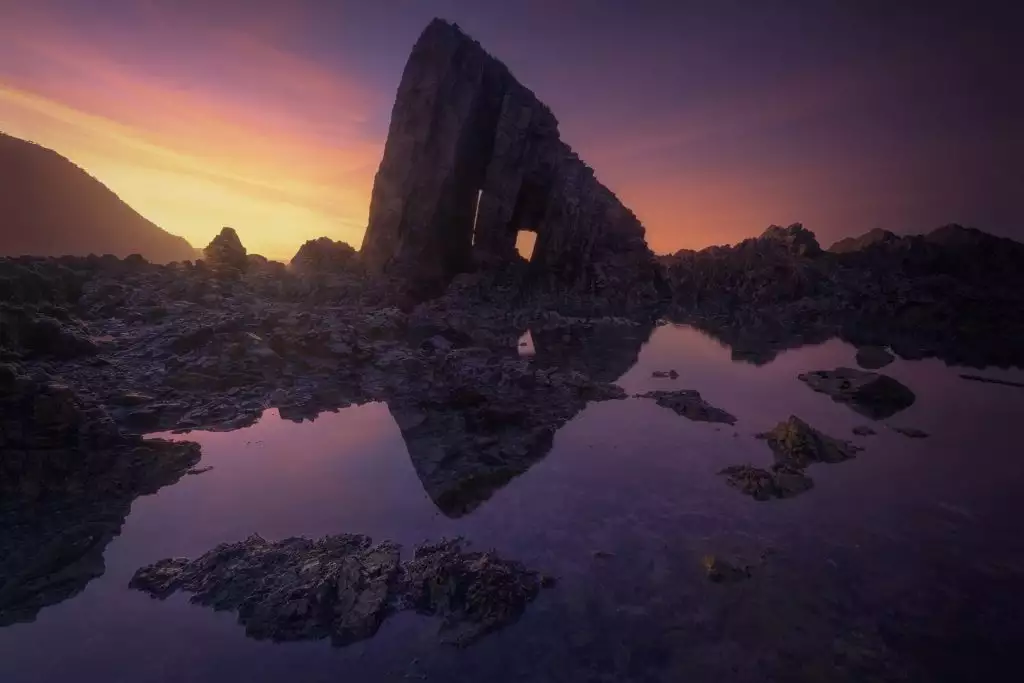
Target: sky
(710, 120)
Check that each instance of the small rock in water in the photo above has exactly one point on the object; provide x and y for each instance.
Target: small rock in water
(761, 484)
(689, 404)
(911, 432)
(864, 430)
(665, 374)
(723, 571)
(873, 357)
(797, 444)
(869, 393)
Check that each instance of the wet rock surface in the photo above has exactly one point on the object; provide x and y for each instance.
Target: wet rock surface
(795, 445)
(873, 357)
(343, 587)
(954, 293)
(871, 394)
(689, 404)
(762, 484)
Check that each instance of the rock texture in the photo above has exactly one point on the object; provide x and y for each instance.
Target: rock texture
(869, 393)
(689, 404)
(473, 157)
(343, 587)
(795, 445)
(955, 293)
(323, 255)
(51, 207)
(226, 253)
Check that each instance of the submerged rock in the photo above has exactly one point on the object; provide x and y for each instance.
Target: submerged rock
(911, 432)
(869, 393)
(665, 374)
(689, 404)
(864, 430)
(761, 484)
(343, 587)
(797, 444)
(720, 570)
(873, 357)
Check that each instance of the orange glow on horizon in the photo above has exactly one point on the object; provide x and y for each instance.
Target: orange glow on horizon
(282, 158)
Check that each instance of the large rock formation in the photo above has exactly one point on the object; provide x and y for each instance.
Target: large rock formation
(473, 157)
(51, 207)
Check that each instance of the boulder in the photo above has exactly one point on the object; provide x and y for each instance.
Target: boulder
(226, 253)
(323, 255)
(690, 405)
(873, 357)
(871, 394)
(761, 484)
(796, 444)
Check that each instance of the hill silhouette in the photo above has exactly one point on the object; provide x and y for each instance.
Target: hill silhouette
(51, 207)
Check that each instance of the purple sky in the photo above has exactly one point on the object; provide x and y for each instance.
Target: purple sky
(710, 120)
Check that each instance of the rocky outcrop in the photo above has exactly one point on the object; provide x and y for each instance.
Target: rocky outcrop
(689, 404)
(343, 587)
(51, 207)
(795, 445)
(323, 255)
(873, 357)
(225, 253)
(472, 157)
(954, 293)
(869, 393)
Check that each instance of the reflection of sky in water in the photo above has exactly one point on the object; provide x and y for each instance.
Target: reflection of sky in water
(624, 477)
(525, 345)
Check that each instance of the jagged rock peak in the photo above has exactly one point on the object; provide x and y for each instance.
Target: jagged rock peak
(796, 238)
(226, 250)
(323, 255)
(868, 239)
(473, 157)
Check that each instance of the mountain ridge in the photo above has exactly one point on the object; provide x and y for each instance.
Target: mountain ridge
(50, 206)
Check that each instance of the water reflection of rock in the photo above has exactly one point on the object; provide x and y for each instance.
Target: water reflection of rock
(50, 550)
(488, 419)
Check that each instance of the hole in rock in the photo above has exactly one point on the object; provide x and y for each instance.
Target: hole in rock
(526, 241)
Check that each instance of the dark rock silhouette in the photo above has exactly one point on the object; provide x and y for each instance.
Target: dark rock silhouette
(956, 293)
(51, 207)
(226, 252)
(343, 587)
(323, 255)
(472, 157)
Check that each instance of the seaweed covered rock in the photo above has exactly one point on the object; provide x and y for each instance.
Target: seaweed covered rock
(761, 484)
(343, 587)
(871, 394)
(797, 444)
(689, 404)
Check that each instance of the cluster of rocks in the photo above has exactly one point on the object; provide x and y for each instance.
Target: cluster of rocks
(795, 445)
(871, 394)
(343, 587)
(955, 293)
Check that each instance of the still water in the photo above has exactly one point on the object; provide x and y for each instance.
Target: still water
(906, 563)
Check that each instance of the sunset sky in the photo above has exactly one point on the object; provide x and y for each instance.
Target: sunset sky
(270, 116)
